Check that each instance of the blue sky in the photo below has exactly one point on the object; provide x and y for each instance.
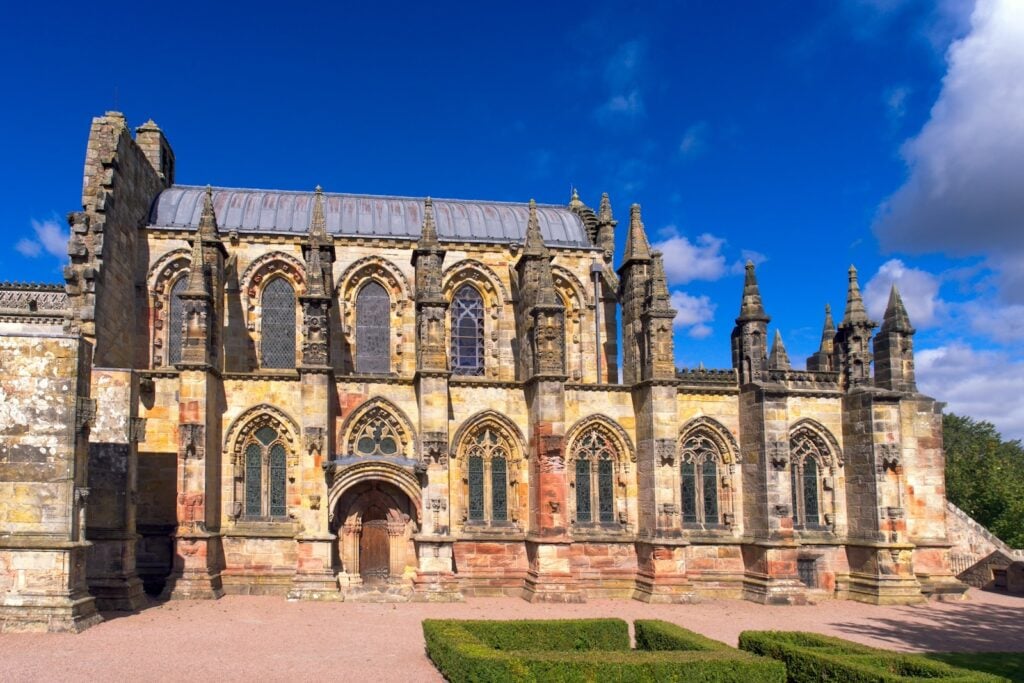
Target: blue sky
(805, 135)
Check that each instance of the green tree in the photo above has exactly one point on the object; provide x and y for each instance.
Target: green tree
(985, 476)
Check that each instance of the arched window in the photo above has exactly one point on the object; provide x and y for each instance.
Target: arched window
(175, 322)
(595, 456)
(487, 477)
(699, 478)
(277, 327)
(265, 473)
(805, 476)
(467, 332)
(373, 330)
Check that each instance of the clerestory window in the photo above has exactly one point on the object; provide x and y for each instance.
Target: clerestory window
(277, 326)
(175, 322)
(373, 330)
(467, 346)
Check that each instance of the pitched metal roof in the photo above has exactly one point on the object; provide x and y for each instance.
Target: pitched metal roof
(179, 207)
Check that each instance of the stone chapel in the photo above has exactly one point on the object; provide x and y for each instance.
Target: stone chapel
(339, 397)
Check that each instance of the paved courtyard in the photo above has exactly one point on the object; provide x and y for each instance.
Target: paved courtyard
(269, 639)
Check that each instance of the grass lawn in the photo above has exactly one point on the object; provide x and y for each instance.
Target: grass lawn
(1008, 664)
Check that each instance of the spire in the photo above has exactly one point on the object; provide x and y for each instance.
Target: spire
(896, 318)
(208, 219)
(855, 312)
(637, 247)
(428, 236)
(751, 308)
(315, 273)
(534, 243)
(828, 331)
(317, 223)
(659, 283)
(779, 359)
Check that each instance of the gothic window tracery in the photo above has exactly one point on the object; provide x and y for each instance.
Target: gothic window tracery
(277, 328)
(377, 437)
(373, 329)
(595, 455)
(487, 455)
(175, 322)
(265, 473)
(807, 466)
(700, 462)
(467, 343)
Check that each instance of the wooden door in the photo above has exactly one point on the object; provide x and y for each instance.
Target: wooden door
(374, 554)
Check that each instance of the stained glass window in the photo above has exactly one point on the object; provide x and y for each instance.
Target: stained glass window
(699, 479)
(175, 322)
(467, 332)
(476, 488)
(278, 325)
(810, 491)
(605, 491)
(253, 480)
(499, 490)
(689, 493)
(582, 490)
(373, 330)
(807, 451)
(277, 481)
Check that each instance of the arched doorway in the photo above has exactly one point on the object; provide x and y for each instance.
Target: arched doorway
(376, 522)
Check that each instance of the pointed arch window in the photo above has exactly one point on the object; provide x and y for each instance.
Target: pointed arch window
(595, 455)
(277, 332)
(467, 332)
(373, 330)
(175, 322)
(487, 484)
(265, 475)
(806, 468)
(700, 481)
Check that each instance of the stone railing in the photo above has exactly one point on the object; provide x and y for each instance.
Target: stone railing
(31, 300)
(705, 377)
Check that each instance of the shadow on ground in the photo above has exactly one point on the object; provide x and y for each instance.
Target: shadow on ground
(963, 627)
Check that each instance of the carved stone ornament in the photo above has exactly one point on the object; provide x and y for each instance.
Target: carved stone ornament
(85, 412)
(551, 457)
(782, 510)
(315, 332)
(669, 509)
(889, 457)
(314, 440)
(137, 429)
(665, 452)
(437, 504)
(435, 447)
(314, 501)
(235, 510)
(778, 454)
(191, 441)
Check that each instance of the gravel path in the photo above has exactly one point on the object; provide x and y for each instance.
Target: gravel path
(270, 639)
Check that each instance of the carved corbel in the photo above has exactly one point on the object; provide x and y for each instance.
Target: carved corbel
(778, 454)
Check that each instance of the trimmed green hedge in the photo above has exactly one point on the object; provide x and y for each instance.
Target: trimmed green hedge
(587, 650)
(813, 657)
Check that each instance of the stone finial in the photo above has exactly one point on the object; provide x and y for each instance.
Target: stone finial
(751, 308)
(637, 247)
(149, 125)
(855, 311)
(317, 221)
(428, 236)
(659, 294)
(196, 283)
(534, 239)
(779, 359)
(315, 274)
(574, 201)
(208, 218)
(896, 318)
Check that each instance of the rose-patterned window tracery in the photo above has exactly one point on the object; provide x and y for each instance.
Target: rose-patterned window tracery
(377, 437)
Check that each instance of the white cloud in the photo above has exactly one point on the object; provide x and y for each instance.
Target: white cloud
(622, 74)
(28, 248)
(686, 261)
(693, 313)
(629, 105)
(694, 140)
(739, 266)
(895, 99)
(1004, 324)
(50, 237)
(963, 192)
(919, 290)
(981, 384)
